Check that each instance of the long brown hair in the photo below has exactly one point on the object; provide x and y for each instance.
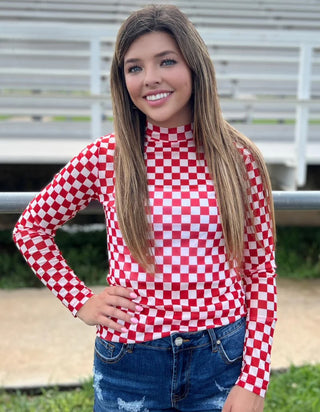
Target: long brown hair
(211, 133)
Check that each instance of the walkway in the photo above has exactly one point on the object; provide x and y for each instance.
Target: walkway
(42, 344)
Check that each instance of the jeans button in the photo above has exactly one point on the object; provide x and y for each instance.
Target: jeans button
(178, 341)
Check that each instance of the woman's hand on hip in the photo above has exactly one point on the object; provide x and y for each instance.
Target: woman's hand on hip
(104, 308)
(242, 400)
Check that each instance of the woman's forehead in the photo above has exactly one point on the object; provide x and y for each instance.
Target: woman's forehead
(155, 43)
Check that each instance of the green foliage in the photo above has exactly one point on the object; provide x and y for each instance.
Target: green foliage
(298, 256)
(298, 252)
(85, 252)
(15, 273)
(296, 390)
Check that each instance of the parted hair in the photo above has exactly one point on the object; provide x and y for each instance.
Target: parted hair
(212, 134)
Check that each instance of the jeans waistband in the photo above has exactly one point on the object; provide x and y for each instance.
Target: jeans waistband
(187, 340)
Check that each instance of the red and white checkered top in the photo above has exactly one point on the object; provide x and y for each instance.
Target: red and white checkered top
(194, 287)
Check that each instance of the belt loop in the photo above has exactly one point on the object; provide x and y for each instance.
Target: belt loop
(129, 347)
(213, 339)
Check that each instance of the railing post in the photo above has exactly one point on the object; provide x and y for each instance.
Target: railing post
(95, 88)
(302, 111)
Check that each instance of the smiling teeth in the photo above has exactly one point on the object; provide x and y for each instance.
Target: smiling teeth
(158, 96)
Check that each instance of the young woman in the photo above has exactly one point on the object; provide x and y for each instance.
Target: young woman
(187, 321)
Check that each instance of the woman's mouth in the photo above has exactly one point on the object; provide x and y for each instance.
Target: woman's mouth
(158, 96)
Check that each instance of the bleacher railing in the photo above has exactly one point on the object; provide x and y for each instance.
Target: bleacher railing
(16, 202)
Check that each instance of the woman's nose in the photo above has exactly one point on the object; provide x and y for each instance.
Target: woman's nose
(152, 77)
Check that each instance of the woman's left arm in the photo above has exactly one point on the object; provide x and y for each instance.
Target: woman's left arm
(259, 280)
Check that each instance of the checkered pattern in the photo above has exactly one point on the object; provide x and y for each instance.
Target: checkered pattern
(260, 288)
(194, 287)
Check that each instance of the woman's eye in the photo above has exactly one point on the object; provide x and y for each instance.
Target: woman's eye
(134, 69)
(168, 62)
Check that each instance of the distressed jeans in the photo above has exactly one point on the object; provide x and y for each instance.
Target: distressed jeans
(189, 372)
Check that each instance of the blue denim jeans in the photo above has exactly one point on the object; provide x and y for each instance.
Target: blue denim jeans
(191, 372)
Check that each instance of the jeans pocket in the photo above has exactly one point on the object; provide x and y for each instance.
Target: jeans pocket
(230, 341)
(109, 352)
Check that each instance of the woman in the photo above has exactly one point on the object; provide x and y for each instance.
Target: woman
(188, 319)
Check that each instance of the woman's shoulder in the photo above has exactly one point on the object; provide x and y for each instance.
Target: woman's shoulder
(245, 146)
(247, 149)
(103, 146)
(98, 151)
(107, 141)
(251, 155)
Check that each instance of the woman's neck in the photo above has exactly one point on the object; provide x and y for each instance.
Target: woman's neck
(154, 132)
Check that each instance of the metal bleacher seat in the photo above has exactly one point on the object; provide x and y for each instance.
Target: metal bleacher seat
(54, 76)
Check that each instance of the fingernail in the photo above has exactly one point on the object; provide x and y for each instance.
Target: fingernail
(133, 295)
(124, 330)
(134, 320)
(139, 308)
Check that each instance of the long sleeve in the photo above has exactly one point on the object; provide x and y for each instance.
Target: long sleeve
(71, 190)
(259, 279)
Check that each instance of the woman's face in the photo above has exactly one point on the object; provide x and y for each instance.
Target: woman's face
(158, 80)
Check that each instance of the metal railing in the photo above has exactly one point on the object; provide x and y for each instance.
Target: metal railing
(16, 202)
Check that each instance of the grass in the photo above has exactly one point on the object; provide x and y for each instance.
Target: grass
(295, 390)
(282, 121)
(87, 119)
(48, 400)
(72, 118)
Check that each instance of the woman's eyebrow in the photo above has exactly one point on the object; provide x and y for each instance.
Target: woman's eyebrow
(133, 60)
(161, 54)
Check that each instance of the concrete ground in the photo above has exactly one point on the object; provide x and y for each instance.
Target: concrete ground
(42, 344)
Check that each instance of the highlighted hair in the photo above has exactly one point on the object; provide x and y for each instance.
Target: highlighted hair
(212, 134)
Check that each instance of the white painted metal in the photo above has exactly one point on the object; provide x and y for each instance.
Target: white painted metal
(95, 88)
(302, 112)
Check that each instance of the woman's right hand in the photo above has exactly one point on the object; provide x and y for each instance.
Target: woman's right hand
(104, 308)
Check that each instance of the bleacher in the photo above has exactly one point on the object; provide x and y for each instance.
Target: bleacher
(54, 83)
(263, 14)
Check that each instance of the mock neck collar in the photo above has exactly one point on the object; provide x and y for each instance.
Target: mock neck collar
(172, 134)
